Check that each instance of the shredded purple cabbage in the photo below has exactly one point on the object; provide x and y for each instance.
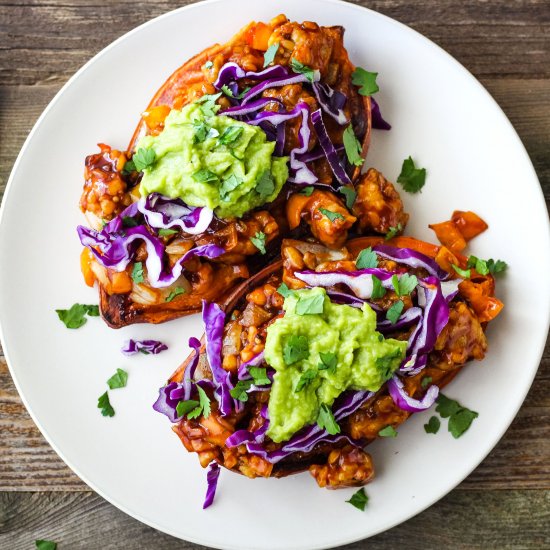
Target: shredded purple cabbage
(331, 101)
(378, 121)
(153, 347)
(212, 477)
(405, 402)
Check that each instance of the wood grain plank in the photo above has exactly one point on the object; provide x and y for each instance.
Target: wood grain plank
(462, 520)
(492, 38)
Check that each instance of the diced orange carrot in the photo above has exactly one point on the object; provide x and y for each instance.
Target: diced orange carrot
(468, 223)
(449, 235)
(261, 35)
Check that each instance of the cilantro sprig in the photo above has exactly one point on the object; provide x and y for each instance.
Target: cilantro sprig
(393, 314)
(305, 379)
(378, 290)
(393, 231)
(45, 545)
(259, 240)
(193, 408)
(388, 431)
(327, 421)
(144, 158)
(367, 259)
(329, 362)
(405, 284)
(484, 267)
(460, 418)
(432, 426)
(270, 54)
(332, 216)
(352, 147)
(310, 304)
(350, 195)
(365, 80)
(174, 293)
(295, 348)
(118, 380)
(75, 316)
(359, 499)
(137, 273)
(411, 178)
(300, 68)
(104, 404)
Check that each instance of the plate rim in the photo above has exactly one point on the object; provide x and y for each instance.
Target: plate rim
(496, 437)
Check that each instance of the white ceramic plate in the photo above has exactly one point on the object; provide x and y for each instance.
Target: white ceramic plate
(440, 115)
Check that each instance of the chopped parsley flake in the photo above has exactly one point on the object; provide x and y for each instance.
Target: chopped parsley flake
(352, 147)
(270, 54)
(393, 314)
(118, 380)
(295, 349)
(411, 178)
(359, 499)
(75, 317)
(104, 404)
(331, 215)
(259, 241)
(327, 421)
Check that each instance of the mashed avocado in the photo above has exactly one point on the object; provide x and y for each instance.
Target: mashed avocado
(318, 350)
(213, 160)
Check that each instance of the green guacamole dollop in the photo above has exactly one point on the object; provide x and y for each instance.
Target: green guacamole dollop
(213, 160)
(364, 359)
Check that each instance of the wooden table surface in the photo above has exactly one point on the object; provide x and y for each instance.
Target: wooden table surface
(505, 503)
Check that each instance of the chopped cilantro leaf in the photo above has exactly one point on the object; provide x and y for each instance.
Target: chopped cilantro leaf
(388, 363)
(45, 545)
(185, 407)
(329, 362)
(367, 259)
(388, 431)
(240, 389)
(411, 178)
(75, 316)
(208, 105)
(118, 380)
(176, 292)
(307, 190)
(393, 231)
(350, 195)
(144, 158)
(104, 404)
(405, 284)
(496, 266)
(205, 176)
(465, 273)
(228, 185)
(201, 130)
(393, 314)
(259, 241)
(137, 273)
(230, 135)
(460, 418)
(305, 379)
(129, 167)
(378, 291)
(128, 221)
(359, 499)
(426, 381)
(352, 147)
(366, 80)
(259, 375)
(331, 215)
(300, 68)
(204, 402)
(295, 349)
(327, 421)
(432, 427)
(284, 291)
(227, 90)
(309, 305)
(265, 184)
(167, 232)
(270, 54)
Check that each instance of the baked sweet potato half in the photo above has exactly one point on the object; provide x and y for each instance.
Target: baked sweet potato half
(290, 335)
(242, 146)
